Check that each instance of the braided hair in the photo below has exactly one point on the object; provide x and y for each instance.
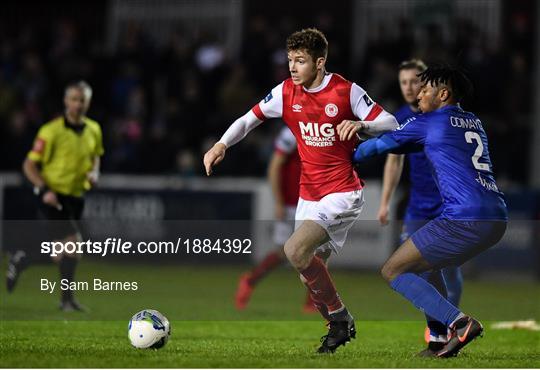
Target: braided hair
(460, 85)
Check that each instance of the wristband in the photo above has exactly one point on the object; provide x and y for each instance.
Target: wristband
(40, 190)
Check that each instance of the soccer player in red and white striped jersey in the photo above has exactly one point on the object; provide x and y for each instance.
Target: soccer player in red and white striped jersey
(325, 112)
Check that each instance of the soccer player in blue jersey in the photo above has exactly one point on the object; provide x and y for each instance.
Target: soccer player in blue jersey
(474, 213)
(425, 202)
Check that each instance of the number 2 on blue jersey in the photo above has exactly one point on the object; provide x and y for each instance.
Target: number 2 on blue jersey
(469, 137)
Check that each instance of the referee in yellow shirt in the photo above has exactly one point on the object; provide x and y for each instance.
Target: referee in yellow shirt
(62, 165)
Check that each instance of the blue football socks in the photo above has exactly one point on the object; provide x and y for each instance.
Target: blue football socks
(454, 284)
(437, 330)
(425, 297)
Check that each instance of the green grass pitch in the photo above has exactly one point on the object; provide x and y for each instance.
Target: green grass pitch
(271, 333)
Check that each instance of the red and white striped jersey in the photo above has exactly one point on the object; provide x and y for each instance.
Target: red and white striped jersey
(312, 116)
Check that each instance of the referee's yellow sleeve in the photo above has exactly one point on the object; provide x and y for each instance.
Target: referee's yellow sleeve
(41, 149)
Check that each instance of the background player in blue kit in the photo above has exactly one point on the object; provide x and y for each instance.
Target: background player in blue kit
(474, 214)
(425, 202)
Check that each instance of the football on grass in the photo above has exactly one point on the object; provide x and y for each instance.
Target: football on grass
(149, 329)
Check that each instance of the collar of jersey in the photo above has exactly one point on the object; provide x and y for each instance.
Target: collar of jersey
(448, 107)
(324, 83)
(77, 128)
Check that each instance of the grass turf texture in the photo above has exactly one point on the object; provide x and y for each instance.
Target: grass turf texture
(272, 332)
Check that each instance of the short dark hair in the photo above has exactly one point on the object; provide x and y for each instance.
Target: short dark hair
(417, 64)
(310, 39)
(460, 85)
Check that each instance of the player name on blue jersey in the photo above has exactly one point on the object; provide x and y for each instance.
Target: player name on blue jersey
(466, 123)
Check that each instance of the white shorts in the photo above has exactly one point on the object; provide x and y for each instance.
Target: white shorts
(336, 213)
(283, 229)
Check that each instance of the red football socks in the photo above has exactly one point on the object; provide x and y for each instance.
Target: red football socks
(321, 307)
(321, 286)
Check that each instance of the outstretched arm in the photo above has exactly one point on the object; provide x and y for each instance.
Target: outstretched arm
(374, 147)
(270, 107)
(383, 123)
(409, 137)
(239, 129)
(236, 132)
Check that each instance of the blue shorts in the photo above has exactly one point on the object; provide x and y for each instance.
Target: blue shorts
(444, 242)
(414, 220)
(411, 226)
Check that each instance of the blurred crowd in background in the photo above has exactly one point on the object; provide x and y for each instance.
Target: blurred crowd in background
(161, 107)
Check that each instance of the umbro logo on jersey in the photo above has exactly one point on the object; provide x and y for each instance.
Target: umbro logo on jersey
(297, 108)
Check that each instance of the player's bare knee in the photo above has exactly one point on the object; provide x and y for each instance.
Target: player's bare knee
(291, 251)
(388, 272)
(298, 260)
(288, 249)
(296, 256)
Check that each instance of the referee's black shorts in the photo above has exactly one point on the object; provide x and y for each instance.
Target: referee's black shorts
(65, 221)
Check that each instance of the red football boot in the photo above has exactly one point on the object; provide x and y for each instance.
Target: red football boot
(243, 292)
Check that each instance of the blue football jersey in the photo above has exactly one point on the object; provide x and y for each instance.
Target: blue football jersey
(425, 201)
(455, 144)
